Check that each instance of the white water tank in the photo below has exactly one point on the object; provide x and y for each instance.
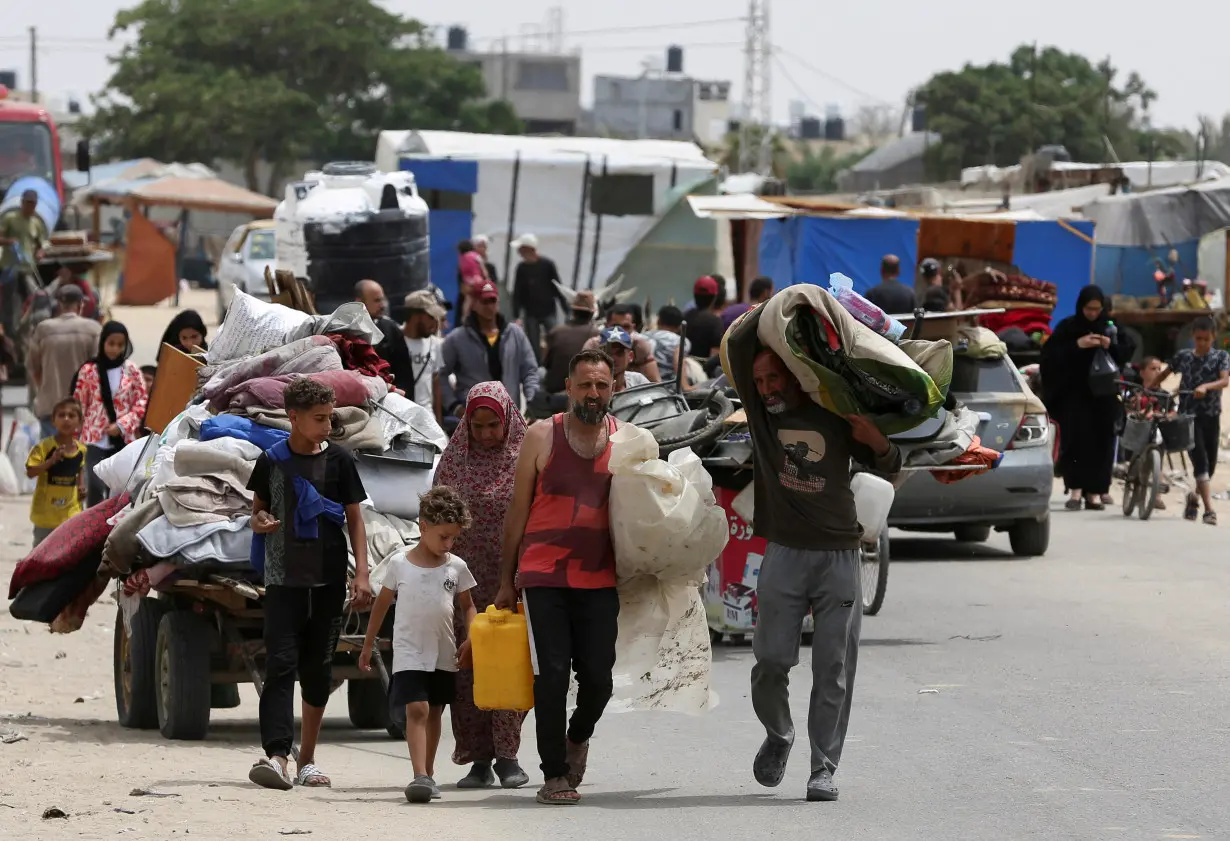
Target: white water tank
(351, 222)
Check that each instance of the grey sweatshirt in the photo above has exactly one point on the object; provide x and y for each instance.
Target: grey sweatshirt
(466, 357)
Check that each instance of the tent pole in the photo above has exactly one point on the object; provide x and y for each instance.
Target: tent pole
(576, 262)
(512, 219)
(593, 264)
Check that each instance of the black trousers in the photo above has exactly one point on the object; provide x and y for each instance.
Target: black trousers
(1204, 449)
(573, 630)
(302, 625)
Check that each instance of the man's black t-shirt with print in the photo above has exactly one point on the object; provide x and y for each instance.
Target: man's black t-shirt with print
(291, 561)
(802, 477)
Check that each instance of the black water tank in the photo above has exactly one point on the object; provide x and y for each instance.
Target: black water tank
(387, 243)
(674, 59)
(918, 120)
(458, 39)
(834, 129)
(8, 78)
(809, 128)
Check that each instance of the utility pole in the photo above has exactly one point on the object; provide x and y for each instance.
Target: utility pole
(757, 92)
(34, 64)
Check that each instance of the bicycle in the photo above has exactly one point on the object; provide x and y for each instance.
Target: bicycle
(1150, 433)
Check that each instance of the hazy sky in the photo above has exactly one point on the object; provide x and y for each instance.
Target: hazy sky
(843, 53)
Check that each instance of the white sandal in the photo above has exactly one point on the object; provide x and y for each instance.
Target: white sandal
(310, 772)
(268, 773)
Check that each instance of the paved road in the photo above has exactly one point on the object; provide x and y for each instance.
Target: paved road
(1080, 696)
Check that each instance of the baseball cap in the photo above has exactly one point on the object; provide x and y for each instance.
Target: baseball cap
(615, 335)
(485, 291)
(424, 300)
(930, 266)
(584, 301)
(705, 286)
(526, 241)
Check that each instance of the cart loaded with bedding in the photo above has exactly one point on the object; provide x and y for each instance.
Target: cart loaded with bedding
(172, 542)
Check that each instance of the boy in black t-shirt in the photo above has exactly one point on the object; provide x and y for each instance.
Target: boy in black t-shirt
(305, 490)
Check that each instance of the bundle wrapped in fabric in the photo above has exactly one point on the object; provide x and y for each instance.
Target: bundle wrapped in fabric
(844, 366)
(995, 288)
(350, 388)
(667, 528)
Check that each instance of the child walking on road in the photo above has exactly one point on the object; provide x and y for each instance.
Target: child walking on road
(1205, 371)
(305, 490)
(427, 581)
(58, 463)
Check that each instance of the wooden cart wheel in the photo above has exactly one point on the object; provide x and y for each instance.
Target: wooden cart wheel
(136, 675)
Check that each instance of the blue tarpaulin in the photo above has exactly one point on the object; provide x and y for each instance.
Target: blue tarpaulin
(807, 249)
(447, 227)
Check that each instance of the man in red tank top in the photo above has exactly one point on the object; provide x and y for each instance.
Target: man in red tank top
(557, 548)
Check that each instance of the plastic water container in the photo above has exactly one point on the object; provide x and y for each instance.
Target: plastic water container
(503, 673)
(873, 497)
(350, 222)
(866, 312)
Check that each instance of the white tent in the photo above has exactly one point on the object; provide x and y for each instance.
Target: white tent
(553, 187)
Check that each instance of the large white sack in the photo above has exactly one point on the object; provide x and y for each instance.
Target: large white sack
(665, 521)
(253, 327)
(26, 433)
(667, 529)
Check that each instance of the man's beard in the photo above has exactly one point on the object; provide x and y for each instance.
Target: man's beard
(775, 402)
(589, 411)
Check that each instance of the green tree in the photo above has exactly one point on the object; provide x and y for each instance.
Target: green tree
(999, 112)
(280, 81)
(729, 154)
(816, 172)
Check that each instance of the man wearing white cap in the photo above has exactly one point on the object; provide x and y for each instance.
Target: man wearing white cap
(535, 293)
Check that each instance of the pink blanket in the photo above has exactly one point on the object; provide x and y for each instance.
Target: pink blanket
(350, 387)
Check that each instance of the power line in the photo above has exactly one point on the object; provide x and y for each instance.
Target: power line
(807, 66)
(650, 47)
(781, 66)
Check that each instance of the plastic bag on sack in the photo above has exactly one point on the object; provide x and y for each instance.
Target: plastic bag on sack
(666, 528)
(252, 327)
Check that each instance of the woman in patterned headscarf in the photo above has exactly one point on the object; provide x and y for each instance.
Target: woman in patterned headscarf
(480, 463)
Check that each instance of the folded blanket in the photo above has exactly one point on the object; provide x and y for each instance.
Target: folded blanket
(122, 547)
(193, 500)
(229, 457)
(225, 541)
(349, 387)
(353, 427)
(842, 365)
(245, 429)
(309, 355)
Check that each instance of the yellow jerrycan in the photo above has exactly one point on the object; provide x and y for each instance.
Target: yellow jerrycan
(503, 673)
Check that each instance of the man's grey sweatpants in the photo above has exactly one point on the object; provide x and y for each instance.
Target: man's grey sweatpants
(792, 581)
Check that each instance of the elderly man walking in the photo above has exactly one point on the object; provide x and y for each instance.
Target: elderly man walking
(804, 508)
(58, 348)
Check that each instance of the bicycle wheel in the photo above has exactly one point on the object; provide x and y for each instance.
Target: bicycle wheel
(1150, 482)
(1130, 487)
(873, 569)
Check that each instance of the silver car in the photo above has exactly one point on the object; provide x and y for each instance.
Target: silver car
(1015, 496)
(250, 248)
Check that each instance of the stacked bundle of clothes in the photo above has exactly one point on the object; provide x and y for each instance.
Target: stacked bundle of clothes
(180, 505)
(849, 368)
(1027, 303)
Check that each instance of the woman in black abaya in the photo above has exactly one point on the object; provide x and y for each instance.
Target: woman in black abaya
(1086, 422)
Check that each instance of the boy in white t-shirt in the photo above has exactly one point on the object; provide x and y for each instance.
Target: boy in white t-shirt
(427, 581)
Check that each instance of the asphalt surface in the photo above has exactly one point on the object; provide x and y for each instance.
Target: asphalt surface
(1082, 695)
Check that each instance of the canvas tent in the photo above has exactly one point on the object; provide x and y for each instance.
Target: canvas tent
(591, 202)
(1137, 231)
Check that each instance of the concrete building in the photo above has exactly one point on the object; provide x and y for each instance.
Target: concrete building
(543, 88)
(661, 106)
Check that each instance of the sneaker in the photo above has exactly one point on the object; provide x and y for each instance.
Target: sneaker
(480, 776)
(422, 789)
(821, 787)
(511, 774)
(1210, 518)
